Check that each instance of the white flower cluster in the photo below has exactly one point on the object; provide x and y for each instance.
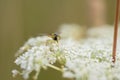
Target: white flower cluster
(72, 31)
(37, 53)
(87, 59)
(93, 57)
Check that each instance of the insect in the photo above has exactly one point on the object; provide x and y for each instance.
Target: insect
(55, 37)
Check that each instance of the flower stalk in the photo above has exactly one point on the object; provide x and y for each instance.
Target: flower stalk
(54, 67)
(115, 31)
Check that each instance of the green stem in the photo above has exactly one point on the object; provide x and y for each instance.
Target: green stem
(54, 67)
(36, 75)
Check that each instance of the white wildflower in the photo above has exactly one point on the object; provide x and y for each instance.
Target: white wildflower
(93, 57)
(41, 54)
(87, 59)
(73, 31)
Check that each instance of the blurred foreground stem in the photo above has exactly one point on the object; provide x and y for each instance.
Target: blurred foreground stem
(115, 31)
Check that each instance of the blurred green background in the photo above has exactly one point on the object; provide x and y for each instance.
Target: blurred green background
(22, 19)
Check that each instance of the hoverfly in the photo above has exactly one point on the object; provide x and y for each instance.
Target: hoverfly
(55, 37)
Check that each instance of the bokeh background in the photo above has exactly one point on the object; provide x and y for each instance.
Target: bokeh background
(22, 19)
